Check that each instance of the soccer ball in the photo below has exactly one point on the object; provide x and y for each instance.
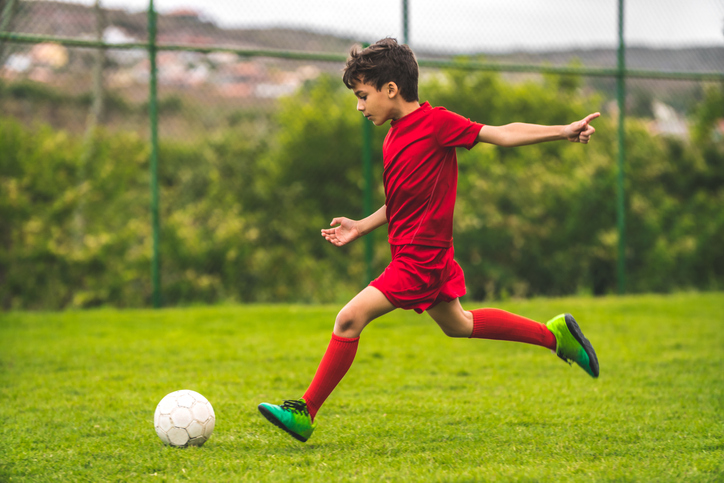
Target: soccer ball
(184, 418)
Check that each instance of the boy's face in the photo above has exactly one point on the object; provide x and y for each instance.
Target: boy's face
(377, 106)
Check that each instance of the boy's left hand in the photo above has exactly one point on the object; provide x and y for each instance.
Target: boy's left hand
(581, 131)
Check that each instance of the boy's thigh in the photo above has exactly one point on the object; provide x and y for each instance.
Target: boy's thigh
(366, 306)
(452, 318)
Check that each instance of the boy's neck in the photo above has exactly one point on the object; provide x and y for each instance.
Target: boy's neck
(405, 108)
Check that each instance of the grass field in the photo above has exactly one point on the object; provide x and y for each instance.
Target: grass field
(78, 391)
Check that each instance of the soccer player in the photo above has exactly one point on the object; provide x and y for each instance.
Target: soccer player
(420, 180)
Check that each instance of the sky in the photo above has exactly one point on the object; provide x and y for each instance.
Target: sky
(474, 25)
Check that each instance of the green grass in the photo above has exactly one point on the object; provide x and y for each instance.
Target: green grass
(78, 391)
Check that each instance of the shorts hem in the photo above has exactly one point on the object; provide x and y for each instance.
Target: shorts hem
(417, 307)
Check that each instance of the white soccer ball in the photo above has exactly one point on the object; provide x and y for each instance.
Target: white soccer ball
(184, 418)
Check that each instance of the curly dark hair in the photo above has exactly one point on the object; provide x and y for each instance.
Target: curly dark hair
(382, 62)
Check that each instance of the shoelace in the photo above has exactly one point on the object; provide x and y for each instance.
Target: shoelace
(295, 406)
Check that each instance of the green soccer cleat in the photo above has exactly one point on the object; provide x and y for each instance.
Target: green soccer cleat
(292, 416)
(572, 345)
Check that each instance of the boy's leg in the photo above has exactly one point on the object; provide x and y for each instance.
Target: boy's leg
(498, 324)
(561, 334)
(296, 417)
(366, 306)
(488, 323)
(452, 318)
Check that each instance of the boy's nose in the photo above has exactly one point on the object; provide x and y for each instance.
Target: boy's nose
(360, 106)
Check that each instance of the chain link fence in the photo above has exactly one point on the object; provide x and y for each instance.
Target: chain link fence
(257, 146)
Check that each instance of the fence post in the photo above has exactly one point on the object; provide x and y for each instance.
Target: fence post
(5, 21)
(153, 118)
(621, 205)
(405, 22)
(367, 197)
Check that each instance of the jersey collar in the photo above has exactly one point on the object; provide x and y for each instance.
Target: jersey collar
(413, 116)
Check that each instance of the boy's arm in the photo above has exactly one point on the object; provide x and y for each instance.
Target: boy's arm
(520, 134)
(349, 230)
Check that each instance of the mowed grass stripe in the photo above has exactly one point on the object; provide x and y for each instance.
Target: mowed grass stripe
(78, 391)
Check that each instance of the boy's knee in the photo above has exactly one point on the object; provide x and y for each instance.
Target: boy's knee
(348, 323)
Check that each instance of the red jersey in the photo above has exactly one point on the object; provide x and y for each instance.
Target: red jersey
(421, 174)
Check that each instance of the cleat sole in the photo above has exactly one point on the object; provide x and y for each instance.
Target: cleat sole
(581, 339)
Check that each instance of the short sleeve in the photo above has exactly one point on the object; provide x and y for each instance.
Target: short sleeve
(454, 130)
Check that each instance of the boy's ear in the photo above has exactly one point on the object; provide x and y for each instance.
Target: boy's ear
(392, 90)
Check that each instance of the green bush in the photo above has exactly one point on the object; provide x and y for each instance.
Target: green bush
(241, 210)
(74, 232)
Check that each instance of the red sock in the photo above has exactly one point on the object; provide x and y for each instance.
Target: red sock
(335, 364)
(498, 324)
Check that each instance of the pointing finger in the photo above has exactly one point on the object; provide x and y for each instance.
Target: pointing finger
(591, 117)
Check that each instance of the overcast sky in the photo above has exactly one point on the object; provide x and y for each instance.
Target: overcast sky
(475, 25)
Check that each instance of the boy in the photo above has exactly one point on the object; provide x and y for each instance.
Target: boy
(420, 179)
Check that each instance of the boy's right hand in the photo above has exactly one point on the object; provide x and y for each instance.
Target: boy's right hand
(346, 232)
(581, 131)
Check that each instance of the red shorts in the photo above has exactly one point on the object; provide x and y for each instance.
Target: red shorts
(419, 277)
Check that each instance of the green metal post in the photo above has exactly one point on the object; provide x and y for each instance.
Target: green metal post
(153, 113)
(5, 21)
(621, 205)
(367, 163)
(7, 15)
(367, 196)
(405, 22)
